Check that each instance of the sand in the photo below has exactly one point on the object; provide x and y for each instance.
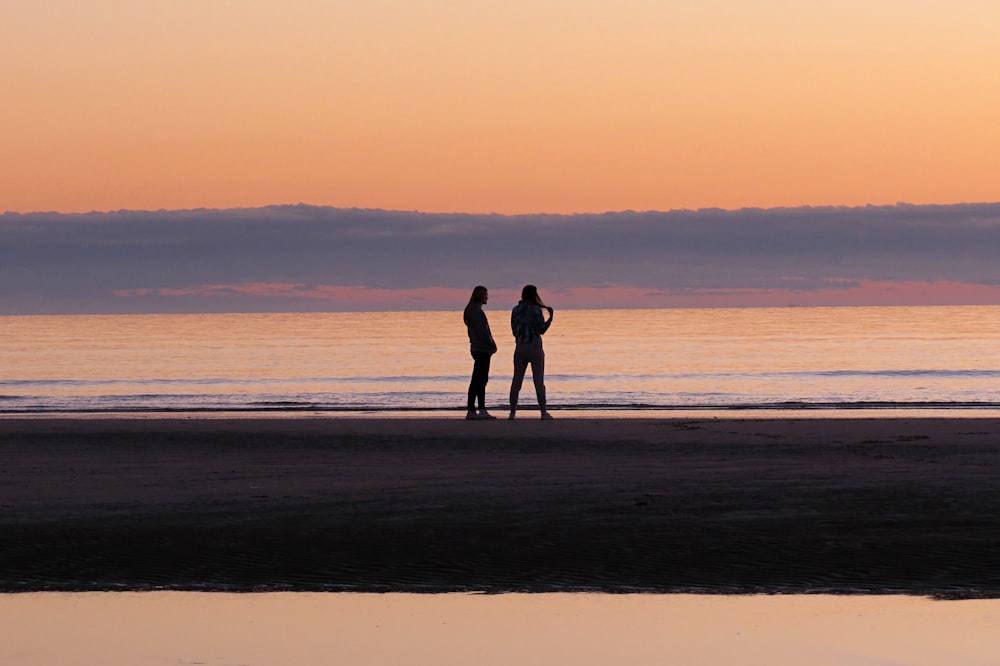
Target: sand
(740, 506)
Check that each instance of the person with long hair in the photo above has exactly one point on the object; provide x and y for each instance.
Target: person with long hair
(528, 324)
(483, 347)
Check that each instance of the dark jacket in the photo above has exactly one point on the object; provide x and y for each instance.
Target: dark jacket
(480, 337)
(528, 324)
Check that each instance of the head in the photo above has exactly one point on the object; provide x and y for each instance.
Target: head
(479, 295)
(530, 294)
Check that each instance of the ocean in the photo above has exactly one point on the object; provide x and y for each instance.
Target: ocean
(846, 360)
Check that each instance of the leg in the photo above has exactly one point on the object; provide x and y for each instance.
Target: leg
(481, 376)
(473, 386)
(520, 365)
(538, 378)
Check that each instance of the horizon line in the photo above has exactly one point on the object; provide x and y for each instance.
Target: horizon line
(305, 205)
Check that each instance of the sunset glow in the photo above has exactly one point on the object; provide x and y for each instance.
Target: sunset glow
(497, 107)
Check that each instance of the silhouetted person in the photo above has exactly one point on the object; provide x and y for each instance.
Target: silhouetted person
(528, 324)
(483, 347)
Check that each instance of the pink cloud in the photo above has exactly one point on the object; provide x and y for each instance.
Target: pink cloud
(335, 294)
(828, 293)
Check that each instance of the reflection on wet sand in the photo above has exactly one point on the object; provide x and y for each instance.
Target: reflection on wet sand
(310, 629)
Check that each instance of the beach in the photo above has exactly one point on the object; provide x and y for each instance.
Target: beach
(714, 505)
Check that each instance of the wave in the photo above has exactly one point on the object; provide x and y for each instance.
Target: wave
(784, 374)
(223, 381)
(411, 379)
(291, 406)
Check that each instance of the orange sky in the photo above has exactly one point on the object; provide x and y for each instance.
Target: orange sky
(516, 106)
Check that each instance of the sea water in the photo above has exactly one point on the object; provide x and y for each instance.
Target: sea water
(628, 362)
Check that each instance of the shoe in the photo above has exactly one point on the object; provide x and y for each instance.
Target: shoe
(486, 416)
(511, 417)
(471, 415)
(546, 416)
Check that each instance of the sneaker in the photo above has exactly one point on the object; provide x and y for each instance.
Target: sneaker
(485, 415)
(511, 417)
(471, 415)
(546, 416)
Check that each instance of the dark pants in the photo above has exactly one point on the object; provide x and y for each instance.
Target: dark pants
(525, 355)
(480, 375)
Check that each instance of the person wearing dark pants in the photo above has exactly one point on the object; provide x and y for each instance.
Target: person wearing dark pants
(483, 347)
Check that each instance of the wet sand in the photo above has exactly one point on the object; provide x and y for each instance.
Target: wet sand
(306, 629)
(868, 506)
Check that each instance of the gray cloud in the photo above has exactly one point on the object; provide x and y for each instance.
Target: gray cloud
(74, 263)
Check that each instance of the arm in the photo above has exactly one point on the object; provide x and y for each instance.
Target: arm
(480, 326)
(540, 324)
(485, 331)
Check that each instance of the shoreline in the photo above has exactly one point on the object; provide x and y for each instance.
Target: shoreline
(903, 505)
(854, 410)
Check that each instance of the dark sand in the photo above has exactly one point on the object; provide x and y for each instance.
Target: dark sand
(617, 505)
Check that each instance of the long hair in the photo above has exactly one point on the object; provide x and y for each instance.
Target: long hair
(530, 294)
(478, 297)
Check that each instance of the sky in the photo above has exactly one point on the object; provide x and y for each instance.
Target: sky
(511, 111)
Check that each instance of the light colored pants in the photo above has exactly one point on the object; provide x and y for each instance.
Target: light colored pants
(525, 354)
